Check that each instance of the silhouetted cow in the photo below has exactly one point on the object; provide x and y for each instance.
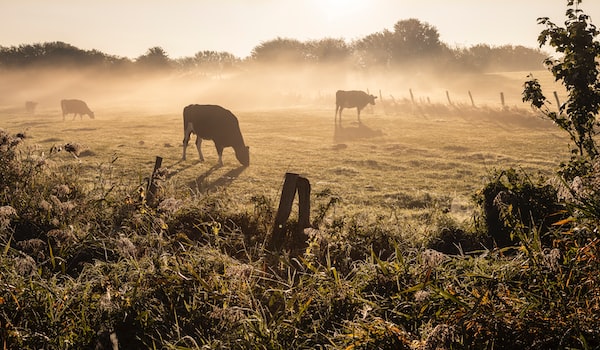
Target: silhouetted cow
(75, 107)
(211, 122)
(351, 99)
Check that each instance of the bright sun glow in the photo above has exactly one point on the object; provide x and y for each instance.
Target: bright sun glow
(336, 9)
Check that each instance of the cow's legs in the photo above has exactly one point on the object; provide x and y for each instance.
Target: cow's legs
(186, 139)
(187, 133)
(198, 144)
(220, 153)
(358, 110)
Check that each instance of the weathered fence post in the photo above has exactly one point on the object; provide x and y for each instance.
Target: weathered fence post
(557, 100)
(448, 97)
(502, 99)
(293, 183)
(151, 190)
(471, 97)
(412, 98)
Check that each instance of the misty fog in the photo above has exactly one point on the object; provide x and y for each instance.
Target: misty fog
(255, 87)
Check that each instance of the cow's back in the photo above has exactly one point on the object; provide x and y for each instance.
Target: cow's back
(212, 122)
(351, 98)
(74, 106)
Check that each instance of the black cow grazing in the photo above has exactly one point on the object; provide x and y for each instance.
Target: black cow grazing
(351, 99)
(75, 107)
(211, 122)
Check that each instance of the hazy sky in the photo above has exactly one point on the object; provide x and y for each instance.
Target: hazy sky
(183, 27)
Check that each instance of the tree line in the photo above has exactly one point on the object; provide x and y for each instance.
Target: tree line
(411, 44)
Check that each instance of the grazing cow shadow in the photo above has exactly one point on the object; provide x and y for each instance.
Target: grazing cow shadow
(81, 129)
(181, 168)
(203, 184)
(348, 133)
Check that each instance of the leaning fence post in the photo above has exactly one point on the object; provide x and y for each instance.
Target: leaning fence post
(448, 97)
(151, 190)
(502, 99)
(471, 97)
(557, 100)
(293, 183)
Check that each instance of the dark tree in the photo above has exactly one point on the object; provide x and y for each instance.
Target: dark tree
(280, 50)
(154, 58)
(374, 50)
(328, 50)
(414, 39)
(54, 54)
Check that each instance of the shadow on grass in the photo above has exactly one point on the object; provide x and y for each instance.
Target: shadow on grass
(348, 133)
(182, 166)
(203, 182)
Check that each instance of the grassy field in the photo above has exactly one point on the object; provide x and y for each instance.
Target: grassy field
(391, 163)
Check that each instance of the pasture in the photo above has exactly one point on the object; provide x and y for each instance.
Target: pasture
(390, 165)
(197, 270)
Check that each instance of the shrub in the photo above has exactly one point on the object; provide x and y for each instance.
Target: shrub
(515, 207)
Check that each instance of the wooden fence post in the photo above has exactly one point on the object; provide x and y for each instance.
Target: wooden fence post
(502, 99)
(293, 183)
(471, 97)
(151, 191)
(557, 101)
(448, 97)
(412, 98)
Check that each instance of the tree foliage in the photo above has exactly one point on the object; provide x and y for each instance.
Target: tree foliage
(577, 69)
(53, 54)
(413, 39)
(156, 57)
(328, 50)
(280, 50)
(412, 44)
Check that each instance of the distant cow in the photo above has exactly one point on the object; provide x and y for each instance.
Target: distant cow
(210, 122)
(30, 106)
(351, 99)
(75, 107)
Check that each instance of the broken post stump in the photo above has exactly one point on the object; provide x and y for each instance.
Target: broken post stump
(293, 183)
(151, 191)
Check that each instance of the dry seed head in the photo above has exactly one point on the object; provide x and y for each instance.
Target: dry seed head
(432, 258)
(25, 266)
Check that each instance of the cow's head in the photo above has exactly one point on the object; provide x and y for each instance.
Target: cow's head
(243, 155)
(91, 114)
(372, 99)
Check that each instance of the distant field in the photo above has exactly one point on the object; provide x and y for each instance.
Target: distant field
(391, 164)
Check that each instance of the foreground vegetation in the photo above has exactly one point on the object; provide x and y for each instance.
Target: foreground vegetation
(93, 255)
(86, 254)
